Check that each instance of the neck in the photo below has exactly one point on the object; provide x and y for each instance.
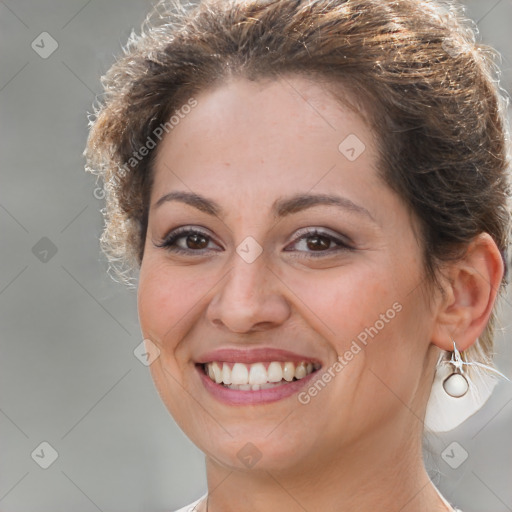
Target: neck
(385, 472)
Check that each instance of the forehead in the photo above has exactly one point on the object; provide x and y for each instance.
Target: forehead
(266, 137)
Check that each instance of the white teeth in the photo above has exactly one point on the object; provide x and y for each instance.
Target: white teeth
(300, 371)
(288, 371)
(275, 372)
(257, 376)
(239, 374)
(226, 374)
(217, 373)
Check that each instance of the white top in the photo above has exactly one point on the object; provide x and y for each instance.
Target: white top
(192, 506)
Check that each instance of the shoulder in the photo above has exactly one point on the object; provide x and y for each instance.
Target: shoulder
(192, 506)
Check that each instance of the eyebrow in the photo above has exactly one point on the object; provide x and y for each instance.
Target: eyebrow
(281, 207)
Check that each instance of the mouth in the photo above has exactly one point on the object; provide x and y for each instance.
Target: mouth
(255, 376)
(259, 375)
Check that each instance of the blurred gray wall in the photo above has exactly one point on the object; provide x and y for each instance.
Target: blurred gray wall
(68, 373)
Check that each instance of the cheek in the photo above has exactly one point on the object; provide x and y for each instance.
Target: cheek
(342, 302)
(371, 314)
(166, 295)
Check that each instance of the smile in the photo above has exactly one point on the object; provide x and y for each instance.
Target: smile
(257, 376)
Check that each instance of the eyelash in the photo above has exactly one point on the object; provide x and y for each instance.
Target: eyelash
(169, 241)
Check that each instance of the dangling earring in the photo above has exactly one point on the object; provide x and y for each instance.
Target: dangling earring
(458, 393)
(456, 384)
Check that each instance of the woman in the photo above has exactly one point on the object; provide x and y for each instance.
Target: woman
(313, 196)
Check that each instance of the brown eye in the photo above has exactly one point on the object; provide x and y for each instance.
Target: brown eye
(195, 241)
(317, 243)
(186, 241)
(321, 243)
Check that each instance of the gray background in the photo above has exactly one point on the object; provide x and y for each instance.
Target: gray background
(68, 374)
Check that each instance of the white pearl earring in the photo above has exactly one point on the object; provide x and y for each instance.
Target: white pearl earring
(457, 384)
(460, 388)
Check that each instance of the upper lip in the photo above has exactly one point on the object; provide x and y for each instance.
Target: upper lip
(253, 355)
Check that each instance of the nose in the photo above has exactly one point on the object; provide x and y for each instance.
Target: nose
(249, 298)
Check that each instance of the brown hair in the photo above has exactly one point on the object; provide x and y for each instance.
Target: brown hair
(435, 105)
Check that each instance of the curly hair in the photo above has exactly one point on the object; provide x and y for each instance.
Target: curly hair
(433, 92)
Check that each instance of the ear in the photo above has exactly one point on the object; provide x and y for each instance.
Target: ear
(472, 284)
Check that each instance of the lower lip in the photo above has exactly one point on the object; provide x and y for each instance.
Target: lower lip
(261, 396)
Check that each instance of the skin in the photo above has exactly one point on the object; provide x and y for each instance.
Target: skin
(357, 444)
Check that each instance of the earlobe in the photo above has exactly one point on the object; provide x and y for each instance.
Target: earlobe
(472, 284)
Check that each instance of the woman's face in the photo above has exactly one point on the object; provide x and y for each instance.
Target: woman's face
(289, 310)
